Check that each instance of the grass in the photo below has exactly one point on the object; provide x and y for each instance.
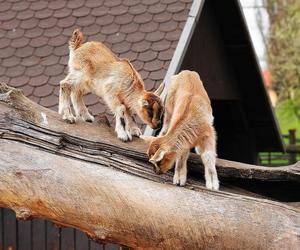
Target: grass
(276, 159)
(287, 119)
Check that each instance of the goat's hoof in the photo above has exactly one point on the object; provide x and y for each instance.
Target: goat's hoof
(175, 179)
(179, 181)
(129, 136)
(123, 136)
(208, 184)
(212, 185)
(89, 120)
(87, 117)
(215, 185)
(135, 131)
(70, 119)
(175, 183)
(179, 184)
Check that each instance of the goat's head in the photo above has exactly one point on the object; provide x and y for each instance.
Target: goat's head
(159, 155)
(151, 108)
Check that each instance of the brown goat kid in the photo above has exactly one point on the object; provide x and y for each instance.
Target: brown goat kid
(94, 68)
(188, 123)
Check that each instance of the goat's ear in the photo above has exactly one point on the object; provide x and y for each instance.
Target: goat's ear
(158, 156)
(144, 102)
(160, 89)
(147, 138)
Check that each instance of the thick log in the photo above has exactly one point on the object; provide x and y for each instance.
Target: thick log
(82, 176)
(24, 120)
(114, 206)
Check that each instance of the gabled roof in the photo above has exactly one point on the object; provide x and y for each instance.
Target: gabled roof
(216, 43)
(34, 50)
(34, 37)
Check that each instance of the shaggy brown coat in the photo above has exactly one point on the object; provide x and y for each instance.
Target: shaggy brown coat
(94, 68)
(188, 123)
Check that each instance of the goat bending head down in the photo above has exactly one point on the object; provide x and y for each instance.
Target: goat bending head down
(95, 68)
(188, 123)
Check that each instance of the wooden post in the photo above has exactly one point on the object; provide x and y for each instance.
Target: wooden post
(292, 142)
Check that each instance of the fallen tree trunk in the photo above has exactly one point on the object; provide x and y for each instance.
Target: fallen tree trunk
(115, 206)
(82, 176)
(26, 121)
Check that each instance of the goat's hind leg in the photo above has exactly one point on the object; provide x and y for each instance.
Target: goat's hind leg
(208, 155)
(211, 176)
(65, 101)
(180, 172)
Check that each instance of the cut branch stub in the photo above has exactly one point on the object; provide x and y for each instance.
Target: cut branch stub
(23, 214)
(19, 103)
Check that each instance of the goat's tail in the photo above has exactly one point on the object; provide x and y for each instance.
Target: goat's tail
(76, 39)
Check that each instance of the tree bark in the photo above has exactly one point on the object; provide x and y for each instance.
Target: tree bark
(26, 121)
(81, 175)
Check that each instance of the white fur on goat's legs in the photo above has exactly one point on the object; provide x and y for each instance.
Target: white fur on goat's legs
(164, 129)
(131, 126)
(119, 111)
(169, 109)
(180, 173)
(167, 117)
(121, 124)
(209, 161)
(198, 150)
(65, 101)
(79, 106)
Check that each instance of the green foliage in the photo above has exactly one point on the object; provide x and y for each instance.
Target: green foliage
(284, 51)
(283, 54)
(286, 112)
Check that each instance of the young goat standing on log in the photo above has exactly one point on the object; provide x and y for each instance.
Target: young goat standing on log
(94, 68)
(188, 123)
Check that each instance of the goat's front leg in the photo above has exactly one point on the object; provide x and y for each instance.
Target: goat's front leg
(79, 106)
(180, 173)
(119, 110)
(167, 118)
(131, 126)
(121, 124)
(165, 127)
(65, 101)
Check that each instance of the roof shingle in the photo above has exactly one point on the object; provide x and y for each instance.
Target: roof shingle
(34, 40)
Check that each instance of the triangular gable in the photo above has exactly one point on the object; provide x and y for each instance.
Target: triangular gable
(215, 42)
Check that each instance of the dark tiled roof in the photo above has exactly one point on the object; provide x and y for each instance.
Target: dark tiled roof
(34, 40)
